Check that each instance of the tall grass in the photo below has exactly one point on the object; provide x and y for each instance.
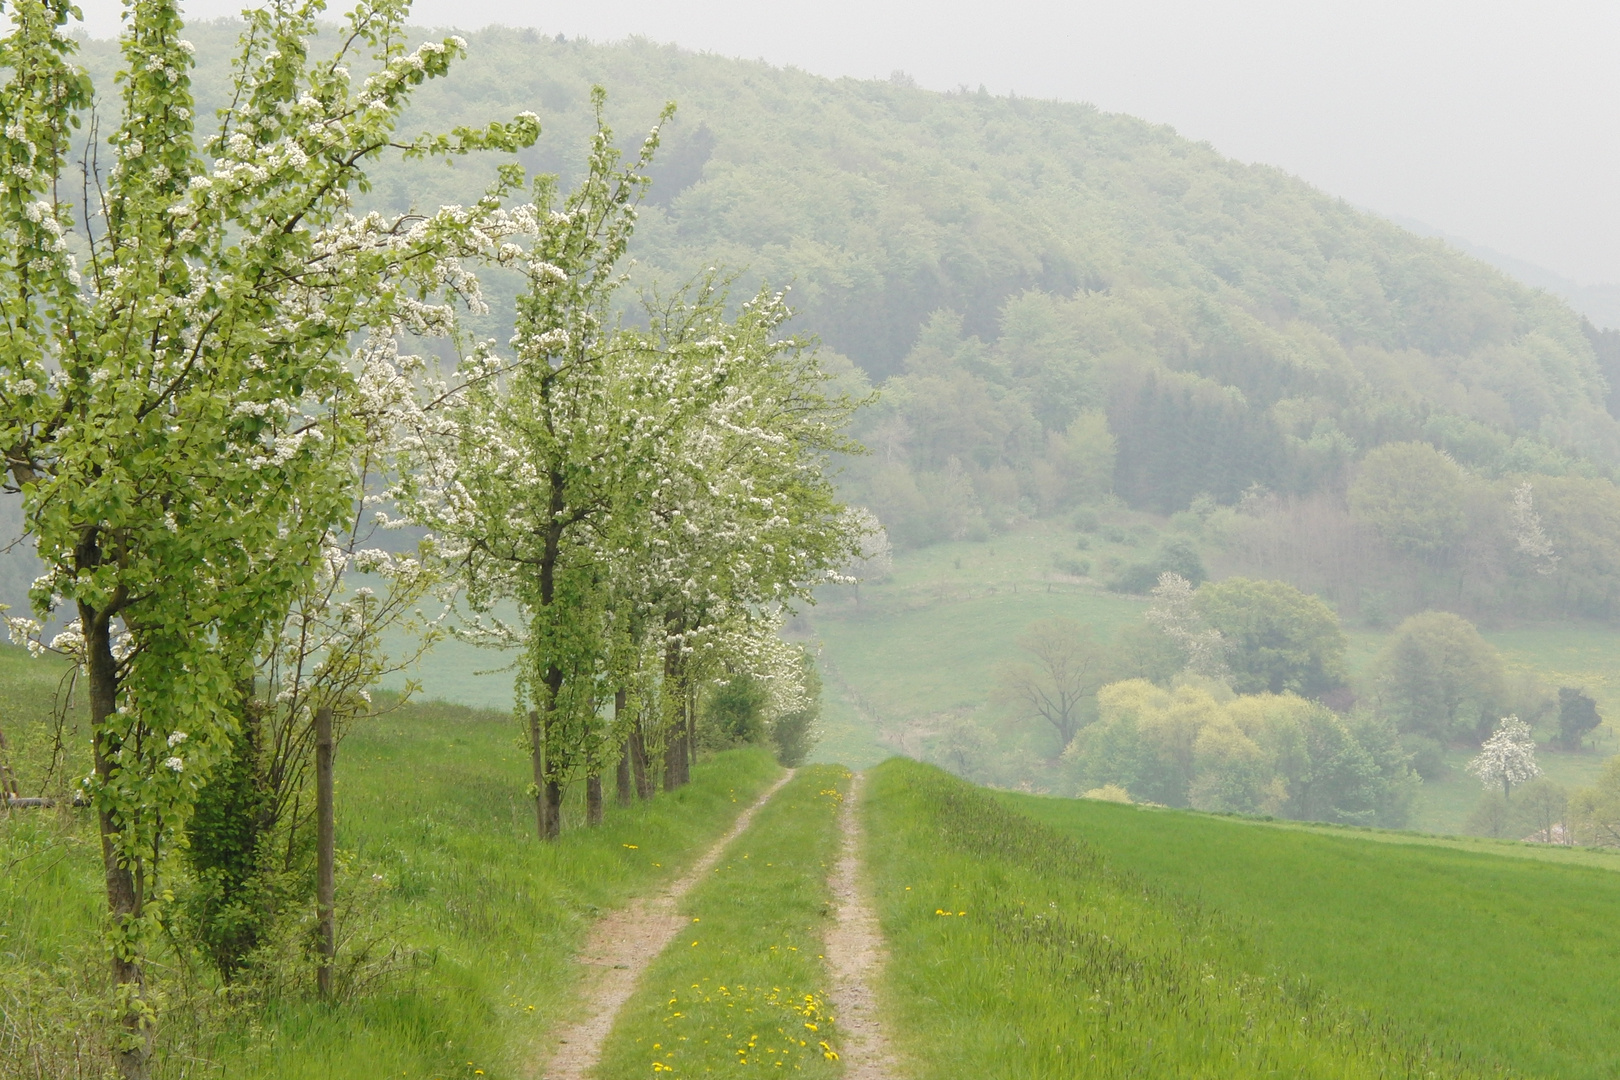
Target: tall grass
(468, 923)
(744, 988)
(1505, 959)
(1019, 952)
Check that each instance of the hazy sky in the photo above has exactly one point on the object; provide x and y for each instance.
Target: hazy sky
(1494, 120)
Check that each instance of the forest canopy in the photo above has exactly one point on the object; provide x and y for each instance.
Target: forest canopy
(1057, 302)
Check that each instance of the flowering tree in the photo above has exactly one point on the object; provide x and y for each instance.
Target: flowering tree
(1508, 756)
(744, 521)
(1175, 612)
(644, 494)
(527, 470)
(177, 405)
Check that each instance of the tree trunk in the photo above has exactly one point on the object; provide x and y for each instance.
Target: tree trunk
(8, 779)
(674, 758)
(553, 810)
(691, 737)
(675, 748)
(123, 893)
(593, 800)
(621, 776)
(638, 763)
(325, 847)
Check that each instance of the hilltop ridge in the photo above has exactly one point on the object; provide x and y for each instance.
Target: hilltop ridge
(1058, 302)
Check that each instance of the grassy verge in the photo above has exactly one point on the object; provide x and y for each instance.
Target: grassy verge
(466, 920)
(1505, 959)
(745, 988)
(1018, 952)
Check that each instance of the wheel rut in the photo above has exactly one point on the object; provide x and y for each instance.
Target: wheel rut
(855, 954)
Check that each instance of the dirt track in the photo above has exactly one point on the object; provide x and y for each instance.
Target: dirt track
(855, 954)
(621, 947)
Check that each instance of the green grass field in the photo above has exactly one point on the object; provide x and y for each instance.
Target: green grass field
(1504, 959)
(745, 987)
(1018, 951)
(440, 869)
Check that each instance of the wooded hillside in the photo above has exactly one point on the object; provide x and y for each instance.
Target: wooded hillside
(1056, 301)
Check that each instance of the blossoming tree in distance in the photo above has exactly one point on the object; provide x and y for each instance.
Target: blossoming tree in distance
(1508, 756)
(179, 404)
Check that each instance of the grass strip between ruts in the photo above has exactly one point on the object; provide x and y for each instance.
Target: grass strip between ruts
(1015, 952)
(745, 987)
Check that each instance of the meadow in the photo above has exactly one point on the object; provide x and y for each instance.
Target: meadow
(906, 656)
(457, 925)
(744, 988)
(1500, 955)
(1017, 950)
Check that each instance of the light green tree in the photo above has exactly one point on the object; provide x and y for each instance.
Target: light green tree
(1438, 678)
(1413, 495)
(177, 403)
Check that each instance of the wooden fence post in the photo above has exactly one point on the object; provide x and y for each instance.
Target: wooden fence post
(537, 754)
(325, 838)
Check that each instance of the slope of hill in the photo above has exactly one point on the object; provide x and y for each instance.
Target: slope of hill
(911, 662)
(1055, 938)
(457, 929)
(1014, 270)
(1503, 961)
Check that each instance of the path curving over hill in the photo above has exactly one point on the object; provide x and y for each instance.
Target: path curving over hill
(855, 954)
(620, 948)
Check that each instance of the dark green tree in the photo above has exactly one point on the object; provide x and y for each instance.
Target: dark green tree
(1577, 714)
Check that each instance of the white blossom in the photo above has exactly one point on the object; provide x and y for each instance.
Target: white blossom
(1508, 757)
(1173, 612)
(1528, 536)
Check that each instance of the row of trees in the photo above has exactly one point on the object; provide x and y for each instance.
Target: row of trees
(1200, 745)
(649, 496)
(209, 406)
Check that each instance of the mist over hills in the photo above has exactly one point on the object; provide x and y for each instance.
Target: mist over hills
(1056, 302)
(1599, 302)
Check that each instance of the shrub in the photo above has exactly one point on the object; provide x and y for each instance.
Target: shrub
(1491, 816)
(1068, 564)
(736, 711)
(794, 734)
(1174, 556)
(1577, 714)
